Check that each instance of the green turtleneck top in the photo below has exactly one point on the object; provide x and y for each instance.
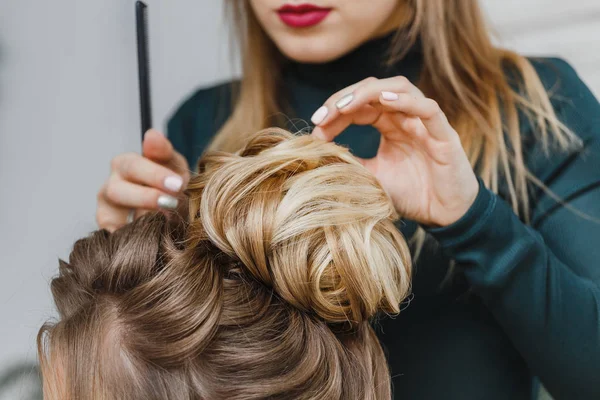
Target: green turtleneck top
(524, 301)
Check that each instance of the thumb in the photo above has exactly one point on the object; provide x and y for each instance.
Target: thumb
(157, 147)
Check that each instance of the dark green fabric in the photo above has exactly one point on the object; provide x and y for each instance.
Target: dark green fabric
(525, 300)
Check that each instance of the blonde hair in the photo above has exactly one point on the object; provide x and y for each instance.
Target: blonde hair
(481, 88)
(265, 291)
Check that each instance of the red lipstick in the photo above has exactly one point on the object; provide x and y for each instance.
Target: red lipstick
(302, 15)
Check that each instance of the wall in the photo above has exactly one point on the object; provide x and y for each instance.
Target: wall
(68, 103)
(569, 29)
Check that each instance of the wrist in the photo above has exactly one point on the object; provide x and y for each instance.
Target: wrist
(472, 219)
(454, 214)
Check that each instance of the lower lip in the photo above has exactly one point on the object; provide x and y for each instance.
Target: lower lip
(303, 19)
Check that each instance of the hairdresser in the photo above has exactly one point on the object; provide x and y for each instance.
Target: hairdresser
(493, 160)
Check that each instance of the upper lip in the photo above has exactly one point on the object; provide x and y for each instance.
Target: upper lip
(301, 8)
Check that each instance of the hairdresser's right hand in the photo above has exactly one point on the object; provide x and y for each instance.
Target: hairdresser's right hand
(144, 183)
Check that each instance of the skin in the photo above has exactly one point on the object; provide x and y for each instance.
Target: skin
(348, 25)
(137, 181)
(420, 162)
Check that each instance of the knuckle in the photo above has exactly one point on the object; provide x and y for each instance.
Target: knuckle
(103, 219)
(111, 190)
(402, 80)
(127, 164)
(100, 219)
(412, 125)
(115, 162)
(455, 140)
(125, 168)
(433, 106)
(101, 193)
(112, 227)
(364, 83)
(331, 101)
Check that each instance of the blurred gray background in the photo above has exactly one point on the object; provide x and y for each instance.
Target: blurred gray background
(68, 104)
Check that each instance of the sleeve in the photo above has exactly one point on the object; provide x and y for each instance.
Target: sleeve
(542, 281)
(180, 131)
(193, 124)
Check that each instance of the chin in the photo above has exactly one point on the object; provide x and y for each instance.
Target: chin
(312, 50)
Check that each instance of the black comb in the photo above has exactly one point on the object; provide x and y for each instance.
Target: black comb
(141, 18)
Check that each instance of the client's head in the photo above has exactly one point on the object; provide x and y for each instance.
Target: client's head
(266, 289)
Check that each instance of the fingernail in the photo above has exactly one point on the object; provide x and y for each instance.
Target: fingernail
(319, 115)
(389, 96)
(167, 202)
(173, 183)
(344, 101)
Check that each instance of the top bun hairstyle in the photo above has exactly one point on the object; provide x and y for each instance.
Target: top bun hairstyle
(266, 289)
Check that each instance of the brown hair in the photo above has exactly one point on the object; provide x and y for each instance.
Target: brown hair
(266, 290)
(480, 87)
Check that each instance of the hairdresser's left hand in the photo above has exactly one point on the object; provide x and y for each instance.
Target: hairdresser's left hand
(420, 162)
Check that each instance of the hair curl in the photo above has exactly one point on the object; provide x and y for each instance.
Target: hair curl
(265, 290)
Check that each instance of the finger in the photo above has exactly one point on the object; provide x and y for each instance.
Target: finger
(367, 115)
(140, 212)
(403, 124)
(370, 92)
(121, 193)
(157, 147)
(365, 92)
(179, 163)
(426, 109)
(395, 124)
(137, 169)
(327, 111)
(111, 217)
(108, 215)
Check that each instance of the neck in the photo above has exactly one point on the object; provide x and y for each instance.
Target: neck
(369, 59)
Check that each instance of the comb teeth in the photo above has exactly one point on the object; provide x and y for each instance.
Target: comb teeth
(141, 13)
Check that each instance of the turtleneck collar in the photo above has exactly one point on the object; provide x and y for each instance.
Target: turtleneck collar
(369, 59)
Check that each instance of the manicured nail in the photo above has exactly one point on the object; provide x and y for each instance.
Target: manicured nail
(319, 115)
(167, 202)
(344, 101)
(173, 183)
(389, 96)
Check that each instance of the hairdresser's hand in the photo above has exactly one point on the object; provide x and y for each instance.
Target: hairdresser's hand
(420, 162)
(155, 181)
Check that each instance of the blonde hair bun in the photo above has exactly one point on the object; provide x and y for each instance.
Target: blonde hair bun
(306, 219)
